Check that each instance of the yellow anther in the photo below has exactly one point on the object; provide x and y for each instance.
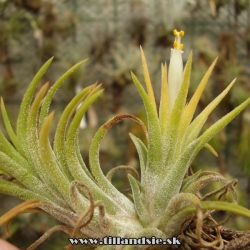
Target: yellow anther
(177, 43)
(178, 34)
(181, 33)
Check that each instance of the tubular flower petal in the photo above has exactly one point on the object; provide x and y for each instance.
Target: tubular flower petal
(175, 69)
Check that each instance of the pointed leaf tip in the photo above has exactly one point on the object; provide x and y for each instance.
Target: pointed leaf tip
(148, 83)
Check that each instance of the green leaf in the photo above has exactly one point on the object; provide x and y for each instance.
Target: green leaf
(24, 109)
(78, 201)
(49, 161)
(176, 205)
(219, 125)
(101, 179)
(148, 81)
(10, 130)
(211, 149)
(196, 126)
(203, 181)
(53, 89)
(34, 153)
(32, 133)
(224, 206)
(17, 171)
(78, 171)
(163, 110)
(139, 206)
(142, 153)
(190, 179)
(191, 106)
(11, 188)
(7, 148)
(172, 182)
(59, 139)
(154, 160)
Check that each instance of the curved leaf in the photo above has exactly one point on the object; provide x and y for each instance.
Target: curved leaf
(21, 127)
(95, 164)
(142, 153)
(50, 164)
(53, 89)
(59, 139)
(10, 130)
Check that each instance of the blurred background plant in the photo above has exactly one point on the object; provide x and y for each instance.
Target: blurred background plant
(31, 31)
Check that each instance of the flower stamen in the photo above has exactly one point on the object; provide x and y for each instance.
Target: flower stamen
(177, 43)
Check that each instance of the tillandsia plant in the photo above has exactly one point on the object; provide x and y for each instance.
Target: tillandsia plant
(166, 199)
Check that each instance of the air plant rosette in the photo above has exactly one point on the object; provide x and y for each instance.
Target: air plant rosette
(166, 200)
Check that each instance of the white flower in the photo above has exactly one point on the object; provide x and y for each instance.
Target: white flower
(175, 69)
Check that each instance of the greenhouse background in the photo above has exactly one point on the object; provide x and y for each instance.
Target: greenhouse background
(109, 33)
